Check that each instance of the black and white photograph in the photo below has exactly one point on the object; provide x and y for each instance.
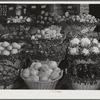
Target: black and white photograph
(49, 50)
(51, 47)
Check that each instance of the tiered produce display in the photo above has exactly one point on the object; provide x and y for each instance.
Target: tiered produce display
(46, 48)
(10, 63)
(46, 38)
(11, 53)
(83, 52)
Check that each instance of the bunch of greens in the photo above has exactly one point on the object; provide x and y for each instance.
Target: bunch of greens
(43, 49)
(84, 73)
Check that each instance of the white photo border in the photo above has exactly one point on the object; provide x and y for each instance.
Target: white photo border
(50, 94)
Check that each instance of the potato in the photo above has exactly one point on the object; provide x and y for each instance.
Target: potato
(44, 79)
(5, 44)
(38, 21)
(19, 46)
(0, 52)
(4, 72)
(15, 45)
(35, 79)
(32, 65)
(28, 19)
(42, 74)
(14, 51)
(49, 32)
(38, 31)
(45, 67)
(9, 47)
(42, 32)
(46, 29)
(5, 52)
(33, 37)
(54, 31)
(49, 80)
(46, 14)
(21, 17)
(1, 68)
(50, 19)
(53, 64)
(29, 78)
(26, 73)
(49, 71)
(1, 48)
(42, 12)
(45, 18)
(42, 22)
(33, 72)
(54, 75)
(1, 44)
(39, 36)
(57, 70)
(41, 17)
(37, 65)
(99, 45)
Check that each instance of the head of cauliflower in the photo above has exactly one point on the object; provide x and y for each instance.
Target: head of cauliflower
(75, 41)
(95, 50)
(74, 51)
(85, 42)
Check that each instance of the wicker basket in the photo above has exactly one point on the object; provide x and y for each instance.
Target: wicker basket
(42, 85)
(83, 86)
(9, 71)
(7, 87)
(83, 28)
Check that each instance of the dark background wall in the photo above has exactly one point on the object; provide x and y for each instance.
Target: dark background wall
(94, 9)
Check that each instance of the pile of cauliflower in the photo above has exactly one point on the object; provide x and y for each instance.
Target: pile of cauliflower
(84, 46)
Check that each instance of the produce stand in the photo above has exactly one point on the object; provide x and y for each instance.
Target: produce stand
(47, 46)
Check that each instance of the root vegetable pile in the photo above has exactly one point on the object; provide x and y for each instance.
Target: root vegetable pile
(42, 71)
(9, 49)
